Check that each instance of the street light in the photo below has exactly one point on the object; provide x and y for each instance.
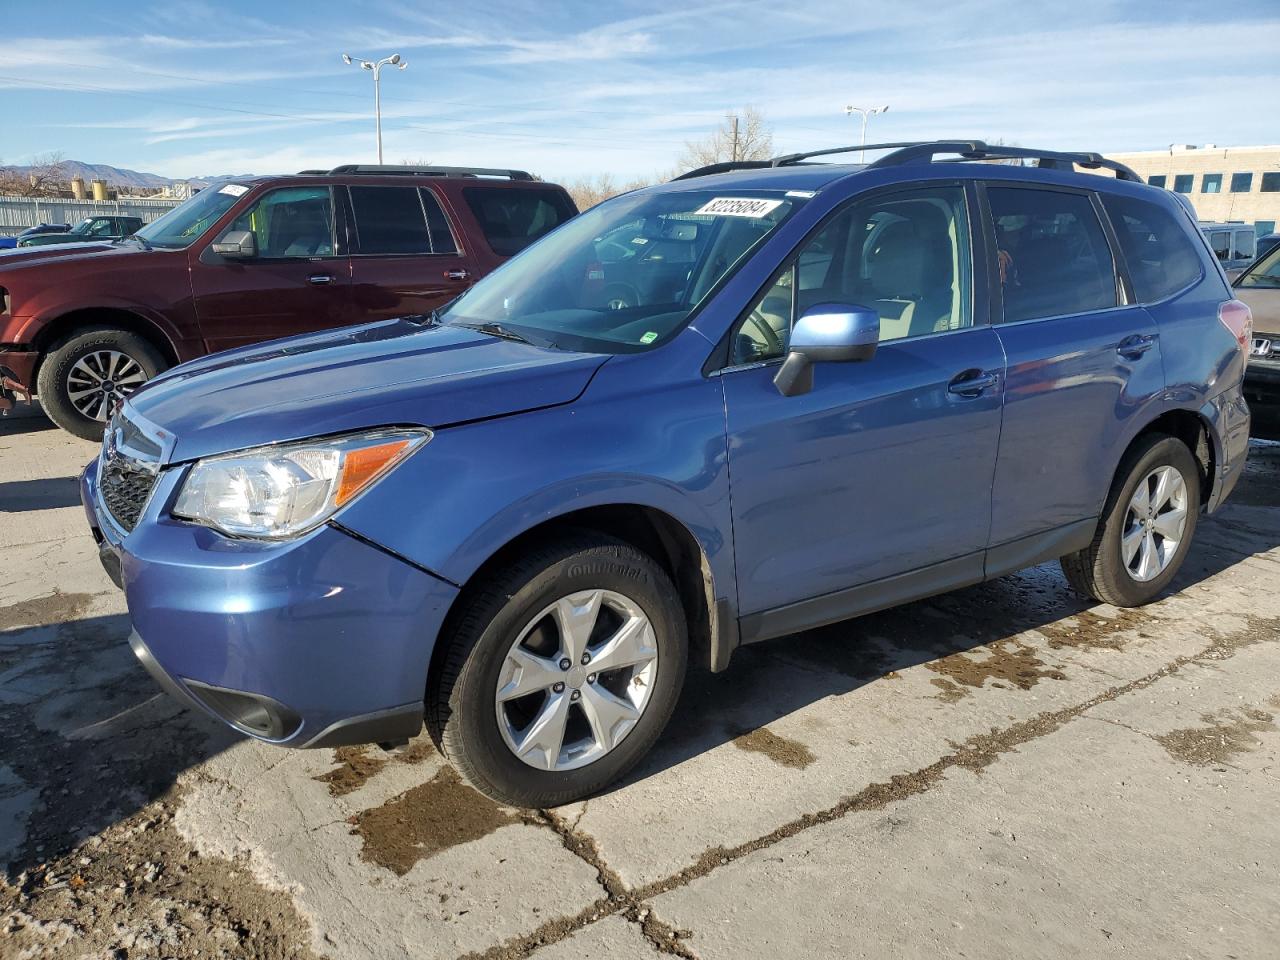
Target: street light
(395, 61)
(866, 113)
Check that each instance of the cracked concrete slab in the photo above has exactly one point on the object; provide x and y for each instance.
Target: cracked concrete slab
(1095, 843)
(1002, 771)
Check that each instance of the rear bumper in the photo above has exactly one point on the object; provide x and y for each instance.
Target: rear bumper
(23, 365)
(320, 641)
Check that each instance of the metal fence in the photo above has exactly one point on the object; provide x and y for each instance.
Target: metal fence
(18, 213)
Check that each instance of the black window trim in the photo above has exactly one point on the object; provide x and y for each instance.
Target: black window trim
(333, 227)
(357, 248)
(1119, 269)
(717, 363)
(457, 250)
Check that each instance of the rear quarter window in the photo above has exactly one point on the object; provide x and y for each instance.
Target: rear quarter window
(1161, 257)
(511, 218)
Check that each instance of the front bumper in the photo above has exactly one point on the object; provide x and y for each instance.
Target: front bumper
(1262, 390)
(23, 365)
(320, 641)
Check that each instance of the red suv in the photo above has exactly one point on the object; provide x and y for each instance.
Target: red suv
(255, 259)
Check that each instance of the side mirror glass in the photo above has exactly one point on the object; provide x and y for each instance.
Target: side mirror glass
(832, 332)
(236, 245)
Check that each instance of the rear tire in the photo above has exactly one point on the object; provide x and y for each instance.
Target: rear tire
(77, 364)
(1131, 560)
(479, 730)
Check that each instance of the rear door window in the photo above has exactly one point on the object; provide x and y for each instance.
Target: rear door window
(1157, 249)
(1220, 241)
(1054, 259)
(511, 218)
(390, 220)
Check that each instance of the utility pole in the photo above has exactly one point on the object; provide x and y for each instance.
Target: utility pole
(734, 118)
(866, 113)
(393, 60)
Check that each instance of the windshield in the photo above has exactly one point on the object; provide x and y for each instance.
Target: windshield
(628, 274)
(81, 227)
(183, 225)
(1264, 273)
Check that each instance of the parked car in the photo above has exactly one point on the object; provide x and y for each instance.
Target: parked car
(88, 230)
(1259, 287)
(8, 243)
(256, 259)
(521, 517)
(1234, 244)
(1267, 243)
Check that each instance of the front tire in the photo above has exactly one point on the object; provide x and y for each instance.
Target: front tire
(83, 376)
(561, 672)
(1146, 528)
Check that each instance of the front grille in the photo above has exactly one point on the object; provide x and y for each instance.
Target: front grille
(127, 470)
(125, 488)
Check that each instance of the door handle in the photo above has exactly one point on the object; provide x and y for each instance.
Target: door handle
(971, 383)
(320, 279)
(1131, 348)
(461, 273)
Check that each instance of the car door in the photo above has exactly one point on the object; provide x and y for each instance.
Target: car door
(884, 468)
(299, 280)
(405, 255)
(1082, 363)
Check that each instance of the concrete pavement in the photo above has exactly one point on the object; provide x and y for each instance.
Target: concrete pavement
(1002, 771)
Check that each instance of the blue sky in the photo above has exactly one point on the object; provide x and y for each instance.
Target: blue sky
(188, 88)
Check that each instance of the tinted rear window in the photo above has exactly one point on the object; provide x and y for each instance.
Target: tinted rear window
(513, 217)
(1161, 257)
(390, 220)
(1054, 257)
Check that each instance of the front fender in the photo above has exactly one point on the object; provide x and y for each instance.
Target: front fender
(475, 488)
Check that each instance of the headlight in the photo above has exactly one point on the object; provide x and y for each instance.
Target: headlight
(279, 492)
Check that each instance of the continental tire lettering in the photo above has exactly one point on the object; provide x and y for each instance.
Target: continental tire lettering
(603, 567)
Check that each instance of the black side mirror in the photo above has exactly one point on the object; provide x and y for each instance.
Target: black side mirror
(236, 245)
(834, 332)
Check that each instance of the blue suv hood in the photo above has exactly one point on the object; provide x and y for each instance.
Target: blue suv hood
(390, 373)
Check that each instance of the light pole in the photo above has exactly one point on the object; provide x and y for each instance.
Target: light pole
(376, 66)
(866, 113)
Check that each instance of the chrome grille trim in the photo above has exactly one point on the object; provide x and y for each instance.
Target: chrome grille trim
(128, 469)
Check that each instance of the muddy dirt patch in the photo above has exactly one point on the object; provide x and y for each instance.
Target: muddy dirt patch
(433, 816)
(1007, 662)
(1222, 738)
(358, 765)
(1089, 631)
(139, 890)
(55, 608)
(787, 753)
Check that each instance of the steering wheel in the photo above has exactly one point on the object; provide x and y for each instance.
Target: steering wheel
(761, 322)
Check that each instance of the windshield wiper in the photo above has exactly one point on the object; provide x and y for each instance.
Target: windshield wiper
(498, 330)
(145, 244)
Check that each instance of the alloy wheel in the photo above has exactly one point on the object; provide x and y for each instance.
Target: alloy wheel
(98, 379)
(1154, 524)
(576, 680)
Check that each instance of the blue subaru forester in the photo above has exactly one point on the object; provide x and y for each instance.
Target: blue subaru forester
(763, 397)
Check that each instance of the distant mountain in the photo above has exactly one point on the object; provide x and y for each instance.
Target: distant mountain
(118, 177)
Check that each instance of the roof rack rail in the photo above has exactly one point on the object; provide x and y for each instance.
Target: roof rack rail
(916, 151)
(723, 167)
(787, 159)
(382, 170)
(977, 150)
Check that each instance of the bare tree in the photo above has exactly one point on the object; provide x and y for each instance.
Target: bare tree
(741, 137)
(44, 177)
(588, 191)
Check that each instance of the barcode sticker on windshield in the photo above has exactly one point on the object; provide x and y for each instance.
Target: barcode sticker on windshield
(233, 189)
(737, 207)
